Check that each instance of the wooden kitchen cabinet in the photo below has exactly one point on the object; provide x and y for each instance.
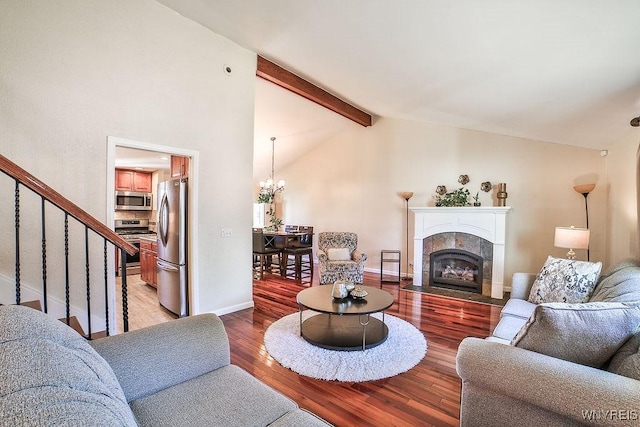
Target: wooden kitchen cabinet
(128, 180)
(148, 261)
(179, 167)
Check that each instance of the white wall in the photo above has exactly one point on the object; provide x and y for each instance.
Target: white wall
(75, 71)
(351, 183)
(622, 223)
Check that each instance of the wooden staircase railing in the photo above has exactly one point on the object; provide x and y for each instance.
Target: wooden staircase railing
(23, 178)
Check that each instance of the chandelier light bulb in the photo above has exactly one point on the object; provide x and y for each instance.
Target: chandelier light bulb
(270, 186)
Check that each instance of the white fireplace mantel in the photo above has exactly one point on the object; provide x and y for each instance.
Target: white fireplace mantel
(486, 222)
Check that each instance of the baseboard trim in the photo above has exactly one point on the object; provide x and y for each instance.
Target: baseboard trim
(233, 308)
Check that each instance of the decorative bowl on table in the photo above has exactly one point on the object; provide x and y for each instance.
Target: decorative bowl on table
(358, 293)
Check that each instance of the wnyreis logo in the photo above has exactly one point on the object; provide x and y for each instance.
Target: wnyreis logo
(610, 415)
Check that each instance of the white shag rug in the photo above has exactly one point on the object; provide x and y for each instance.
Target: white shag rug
(403, 349)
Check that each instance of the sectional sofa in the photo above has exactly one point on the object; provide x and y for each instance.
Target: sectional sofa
(558, 363)
(176, 373)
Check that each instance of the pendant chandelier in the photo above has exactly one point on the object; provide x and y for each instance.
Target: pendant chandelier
(270, 186)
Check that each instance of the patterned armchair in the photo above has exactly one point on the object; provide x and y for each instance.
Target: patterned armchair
(339, 257)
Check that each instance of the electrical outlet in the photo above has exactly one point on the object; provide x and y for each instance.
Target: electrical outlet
(410, 265)
(226, 233)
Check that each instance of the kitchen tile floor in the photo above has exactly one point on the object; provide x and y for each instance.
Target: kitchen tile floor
(144, 308)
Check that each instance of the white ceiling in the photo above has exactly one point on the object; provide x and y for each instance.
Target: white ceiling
(563, 71)
(133, 158)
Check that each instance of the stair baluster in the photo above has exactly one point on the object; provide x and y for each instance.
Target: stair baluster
(16, 212)
(47, 194)
(88, 279)
(44, 255)
(125, 301)
(106, 286)
(67, 302)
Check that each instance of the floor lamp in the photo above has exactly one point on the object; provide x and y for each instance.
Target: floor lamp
(406, 195)
(585, 189)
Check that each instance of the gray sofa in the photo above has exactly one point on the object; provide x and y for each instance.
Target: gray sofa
(558, 364)
(173, 374)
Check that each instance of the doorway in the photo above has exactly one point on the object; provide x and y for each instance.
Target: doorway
(146, 158)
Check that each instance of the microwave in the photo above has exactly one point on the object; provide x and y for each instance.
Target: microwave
(133, 201)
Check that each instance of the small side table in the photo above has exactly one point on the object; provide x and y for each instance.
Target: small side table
(392, 257)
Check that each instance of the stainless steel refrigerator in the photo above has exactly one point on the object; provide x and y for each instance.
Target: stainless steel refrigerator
(172, 246)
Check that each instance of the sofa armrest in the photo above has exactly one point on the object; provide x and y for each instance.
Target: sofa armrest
(151, 359)
(565, 388)
(322, 256)
(521, 285)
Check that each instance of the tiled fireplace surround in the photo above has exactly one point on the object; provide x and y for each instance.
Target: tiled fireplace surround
(480, 230)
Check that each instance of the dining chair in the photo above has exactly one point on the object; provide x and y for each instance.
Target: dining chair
(301, 249)
(263, 253)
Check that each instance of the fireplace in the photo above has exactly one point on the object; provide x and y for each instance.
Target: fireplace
(456, 269)
(437, 228)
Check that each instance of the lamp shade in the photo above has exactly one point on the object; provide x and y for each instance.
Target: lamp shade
(406, 195)
(585, 188)
(571, 238)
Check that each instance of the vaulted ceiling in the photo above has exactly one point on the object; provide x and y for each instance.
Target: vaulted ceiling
(562, 71)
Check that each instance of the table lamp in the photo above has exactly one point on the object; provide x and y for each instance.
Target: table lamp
(571, 238)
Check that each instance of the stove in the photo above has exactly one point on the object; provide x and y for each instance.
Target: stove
(132, 227)
(131, 230)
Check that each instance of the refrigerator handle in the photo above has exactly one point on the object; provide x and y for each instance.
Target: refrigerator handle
(166, 267)
(164, 219)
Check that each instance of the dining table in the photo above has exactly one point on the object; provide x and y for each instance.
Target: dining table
(284, 239)
(289, 242)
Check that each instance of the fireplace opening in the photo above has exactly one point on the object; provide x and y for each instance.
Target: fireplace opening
(456, 269)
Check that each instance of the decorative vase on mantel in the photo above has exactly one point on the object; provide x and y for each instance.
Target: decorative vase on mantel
(476, 200)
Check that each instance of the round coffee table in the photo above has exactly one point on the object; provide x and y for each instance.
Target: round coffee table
(344, 324)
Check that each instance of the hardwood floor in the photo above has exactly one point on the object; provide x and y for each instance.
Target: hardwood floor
(427, 395)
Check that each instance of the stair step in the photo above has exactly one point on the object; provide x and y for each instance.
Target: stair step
(35, 304)
(75, 324)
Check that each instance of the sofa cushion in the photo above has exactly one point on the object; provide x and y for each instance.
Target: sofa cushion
(626, 361)
(620, 283)
(588, 333)
(339, 254)
(564, 280)
(228, 397)
(518, 308)
(508, 327)
(52, 376)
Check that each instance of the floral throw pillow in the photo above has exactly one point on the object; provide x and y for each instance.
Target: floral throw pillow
(565, 280)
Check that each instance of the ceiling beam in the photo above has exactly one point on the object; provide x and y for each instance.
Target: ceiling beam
(286, 79)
